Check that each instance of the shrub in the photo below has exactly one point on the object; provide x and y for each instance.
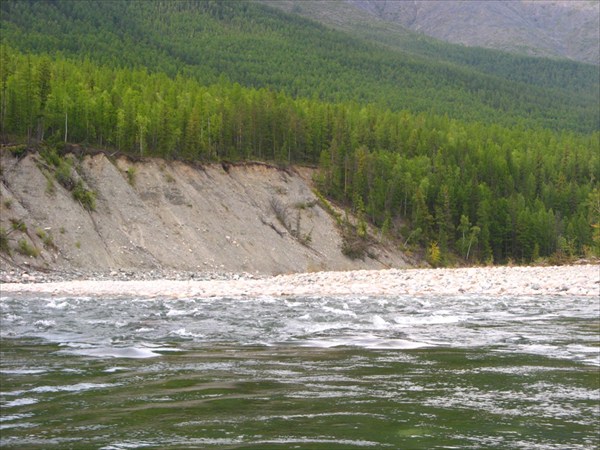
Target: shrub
(305, 204)
(4, 248)
(18, 225)
(64, 177)
(52, 157)
(25, 248)
(84, 196)
(45, 237)
(327, 207)
(434, 254)
(62, 169)
(50, 188)
(353, 246)
(18, 150)
(131, 175)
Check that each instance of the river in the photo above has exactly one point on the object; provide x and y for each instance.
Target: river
(303, 373)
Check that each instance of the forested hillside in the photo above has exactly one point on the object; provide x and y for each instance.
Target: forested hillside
(462, 188)
(346, 16)
(259, 46)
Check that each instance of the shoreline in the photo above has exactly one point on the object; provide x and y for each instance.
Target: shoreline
(572, 280)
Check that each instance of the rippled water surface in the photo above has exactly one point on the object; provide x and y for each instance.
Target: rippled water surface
(307, 373)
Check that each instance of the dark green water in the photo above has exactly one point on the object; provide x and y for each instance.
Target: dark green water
(300, 373)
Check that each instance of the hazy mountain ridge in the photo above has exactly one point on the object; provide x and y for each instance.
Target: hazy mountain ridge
(559, 29)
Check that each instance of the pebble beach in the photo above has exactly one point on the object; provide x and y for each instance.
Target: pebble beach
(574, 280)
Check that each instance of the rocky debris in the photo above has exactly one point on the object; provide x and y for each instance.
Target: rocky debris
(28, 276)
(555, 281)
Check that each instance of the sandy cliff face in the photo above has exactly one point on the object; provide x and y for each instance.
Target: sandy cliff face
(170, 215)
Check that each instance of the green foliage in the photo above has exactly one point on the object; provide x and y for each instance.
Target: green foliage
(514, 187)
(387, 225)
(63, 172)
(548, 72)
(64, 176)
(84, 196)
(50, 187)
(18, 225)
(131, 172)
(355, 240)
(62, 168)
(4, 247)
(18, 150)
(27, 249)
(45, 237)
(487, 191)
(51, 157)
(469, 237)
(353, 245)
(413, 235)
(305, 205)
(260, 47)
(593, 204)
(434, 254)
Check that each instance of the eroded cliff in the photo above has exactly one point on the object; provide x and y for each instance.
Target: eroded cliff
(156, 214)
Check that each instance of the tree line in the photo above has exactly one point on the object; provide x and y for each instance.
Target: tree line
(482, 192)
(261, 47)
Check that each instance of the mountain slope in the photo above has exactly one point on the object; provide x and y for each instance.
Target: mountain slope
(262, 47)
(350, 18)
(552, 28)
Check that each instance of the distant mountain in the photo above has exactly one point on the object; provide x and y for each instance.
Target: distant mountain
(362, 24)
(551, 28)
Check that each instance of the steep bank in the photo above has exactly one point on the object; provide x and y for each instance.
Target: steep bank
(157, 214)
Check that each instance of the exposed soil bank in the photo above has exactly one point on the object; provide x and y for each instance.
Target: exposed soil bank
(165, 215)
(495, 281)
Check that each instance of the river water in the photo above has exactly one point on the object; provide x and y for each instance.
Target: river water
(301, 373)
